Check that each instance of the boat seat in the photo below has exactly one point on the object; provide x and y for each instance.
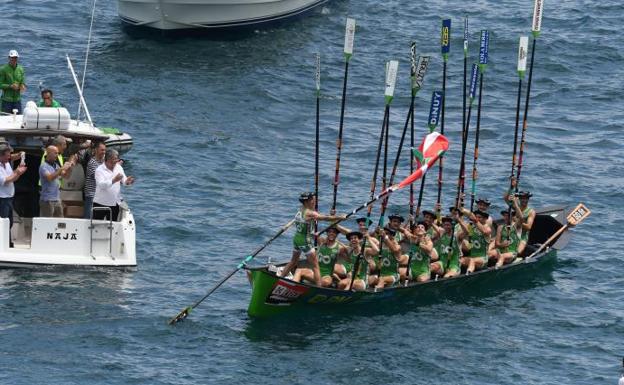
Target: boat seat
(71, 193)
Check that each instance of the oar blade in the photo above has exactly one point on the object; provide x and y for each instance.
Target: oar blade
(181, 316)
(577, 215)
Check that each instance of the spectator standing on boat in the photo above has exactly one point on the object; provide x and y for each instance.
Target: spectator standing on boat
(509, 243)
(12, 84)
(7, 189)
(420, 254)
(350, 256)
(50, 172)
(99, 150)
(109, 176)
(302, 241)
(47, 99)
(478, 235)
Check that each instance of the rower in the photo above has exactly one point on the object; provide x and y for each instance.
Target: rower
(508, 239)
(478, 236)
(350, 256)
(389, 258)
(362, 223)
(527, 213)
(429, 218)
(395, 222)
(483, 204)
(448, 251)
(328, 249)
(420, 254)
(302, 241)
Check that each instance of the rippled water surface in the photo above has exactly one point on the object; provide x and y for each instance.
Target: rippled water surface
(224, 142)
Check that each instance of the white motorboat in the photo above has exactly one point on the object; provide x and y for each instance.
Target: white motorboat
(68, 241)
(209, 14)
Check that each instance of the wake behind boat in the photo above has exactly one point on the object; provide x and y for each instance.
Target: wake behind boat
(208, 14)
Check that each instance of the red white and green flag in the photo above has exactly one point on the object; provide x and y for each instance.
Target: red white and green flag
(432, 147)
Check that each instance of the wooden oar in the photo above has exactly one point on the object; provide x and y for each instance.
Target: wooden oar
(417, 82)
(391, 74)
(445, 39)
(575, 217)
(186, 311)
(348, 52)
(316, 151)
(535, 30)
(483, 60)
(462, 165)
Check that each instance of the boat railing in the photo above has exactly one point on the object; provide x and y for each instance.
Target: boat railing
(110, 229)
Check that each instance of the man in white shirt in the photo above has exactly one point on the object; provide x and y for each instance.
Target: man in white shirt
(109, 177)
(7, 189)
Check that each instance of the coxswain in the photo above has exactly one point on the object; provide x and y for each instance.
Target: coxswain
(302, 241)
(448, 251)
(420, 254)
(477, 234)
(328, 249)
(351, 254)
(508, 239)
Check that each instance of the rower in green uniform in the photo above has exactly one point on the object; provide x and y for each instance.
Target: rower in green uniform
(350, 256)
(528, 214)
(302, 241)
(328, 250)
(395, 222)
(420, 254)
(448, 263)
(478, 236)
(508, 239)
(389, 258)
(429, 220)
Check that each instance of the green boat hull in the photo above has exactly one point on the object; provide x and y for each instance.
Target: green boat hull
(272, 296)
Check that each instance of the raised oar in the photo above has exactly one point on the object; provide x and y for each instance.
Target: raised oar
(445, 39)
(483, 60)
(432, 146)
(348, 52)
(522, 59)
(462, 164)
(575, 217)
(392, 68)
(418, 77)
(535, 30)
(465, 72)
(186, 311)
(437, 100)
(316, 151)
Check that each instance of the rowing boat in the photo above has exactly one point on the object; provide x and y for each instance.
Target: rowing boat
(272, 295)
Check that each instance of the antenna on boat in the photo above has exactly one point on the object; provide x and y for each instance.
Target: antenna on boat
(84, 71)
(82, 100)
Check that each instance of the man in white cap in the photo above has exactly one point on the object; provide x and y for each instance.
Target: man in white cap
(12, 84)
(7, 189)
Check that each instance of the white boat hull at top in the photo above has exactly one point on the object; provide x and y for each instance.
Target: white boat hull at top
(209, 14)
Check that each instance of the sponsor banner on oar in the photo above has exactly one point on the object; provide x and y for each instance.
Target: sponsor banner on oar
(445, 38)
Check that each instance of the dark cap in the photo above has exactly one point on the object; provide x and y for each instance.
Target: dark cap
(427, 212)
(306, 196)
(365, 220)
(356, 233)
(452, 209)
(332, 228)
(484, 200)
(522, 194)
(446, 219)
(481, 213)
(396, 216)
(389, 230)
(505, 212)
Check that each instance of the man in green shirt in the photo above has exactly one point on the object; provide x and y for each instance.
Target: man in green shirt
(12, 84)
(47, 99)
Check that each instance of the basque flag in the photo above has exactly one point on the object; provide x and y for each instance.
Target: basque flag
(432, 147)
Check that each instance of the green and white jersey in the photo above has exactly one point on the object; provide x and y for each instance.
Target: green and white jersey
(525, 215)
(514, 235)
(448, 253)
(419, 260)
(303, 236)
(389, 264)
(478, 243)
(350, 265)
(327, 258)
